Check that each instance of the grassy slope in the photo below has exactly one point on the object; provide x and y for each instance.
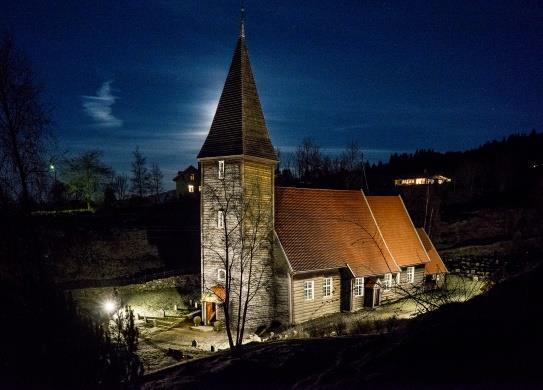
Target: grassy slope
(494, 338)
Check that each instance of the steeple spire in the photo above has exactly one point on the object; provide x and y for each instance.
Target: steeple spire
(238, 127)
(242, 22)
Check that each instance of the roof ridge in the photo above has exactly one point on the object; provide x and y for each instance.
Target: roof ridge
(318, 189)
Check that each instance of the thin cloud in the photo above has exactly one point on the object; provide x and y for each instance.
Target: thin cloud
(99, 107)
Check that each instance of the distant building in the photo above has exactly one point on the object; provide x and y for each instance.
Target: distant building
(187, 181)
(416, 181)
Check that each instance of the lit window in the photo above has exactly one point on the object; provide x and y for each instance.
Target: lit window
(221, 275)
(192, 176)
(220, 219)
(387, 281)
(359, 287)
(410, 274)
(309, 290)
(221, 169)
(199, 188)
(327, 287)
(191, 188)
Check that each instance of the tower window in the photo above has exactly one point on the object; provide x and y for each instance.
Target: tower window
(221, 169)
(192, 176)
(220, 219)
(221, 275)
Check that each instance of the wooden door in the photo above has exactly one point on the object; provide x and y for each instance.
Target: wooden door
(368, 297)
(210, 312)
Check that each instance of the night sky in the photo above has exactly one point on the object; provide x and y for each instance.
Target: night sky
(395, 76)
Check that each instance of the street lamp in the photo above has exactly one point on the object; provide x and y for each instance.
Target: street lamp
(109, 306)
(53, 169)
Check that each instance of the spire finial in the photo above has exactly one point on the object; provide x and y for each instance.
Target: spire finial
(242, 22)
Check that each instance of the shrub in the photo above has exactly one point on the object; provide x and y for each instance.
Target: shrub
(197, 320)
(217, 325)
(391, 323)
(340, 327)
(362, 327)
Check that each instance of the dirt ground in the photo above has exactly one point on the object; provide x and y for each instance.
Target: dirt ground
(155, 342)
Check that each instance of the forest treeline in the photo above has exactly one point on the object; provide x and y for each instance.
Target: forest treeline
(508, 170)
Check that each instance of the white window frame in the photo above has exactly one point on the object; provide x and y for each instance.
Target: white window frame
(410, 274)
(221, 275)
(220, 219)
(359, 287)
(387, 281)
(327, 287)
(309, 290)
(398, 278)
(191, 188)
(221, 169)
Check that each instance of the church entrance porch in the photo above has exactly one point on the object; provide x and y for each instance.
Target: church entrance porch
(212, 301)
(372, 293)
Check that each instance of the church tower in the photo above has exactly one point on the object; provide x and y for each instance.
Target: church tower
(237, 163)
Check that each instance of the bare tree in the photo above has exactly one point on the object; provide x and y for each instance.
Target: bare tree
(240, 241)
(120, 186)
(156, 181)
(351, 165)
(141, 177)
(24, 124)
(309, 160)
(86, 176)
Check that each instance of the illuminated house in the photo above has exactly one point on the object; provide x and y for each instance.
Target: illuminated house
(187, 181)
(329, 251)
(417, 181)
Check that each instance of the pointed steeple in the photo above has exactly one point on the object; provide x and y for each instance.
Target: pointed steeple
(238, 127)
(242, 23)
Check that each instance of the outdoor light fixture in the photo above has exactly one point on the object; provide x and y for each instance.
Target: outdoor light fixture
(109, 306)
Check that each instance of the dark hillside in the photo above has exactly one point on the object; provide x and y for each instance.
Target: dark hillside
(122, 242)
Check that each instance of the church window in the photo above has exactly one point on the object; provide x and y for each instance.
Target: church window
(359, 287)
(221, 275)
(327, 287)
(221, 169)
(309, 290)
(410, 274)
(387, 281)
(220, 219)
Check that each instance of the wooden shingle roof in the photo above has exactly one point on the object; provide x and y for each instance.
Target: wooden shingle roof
(322, 229)
(398, 230)
(436, 265)
(238, 127)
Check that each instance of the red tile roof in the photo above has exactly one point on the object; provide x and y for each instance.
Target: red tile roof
(436, 265)
(322, 229)
(398, 230)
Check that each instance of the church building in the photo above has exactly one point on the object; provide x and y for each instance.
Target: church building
(292, 254)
